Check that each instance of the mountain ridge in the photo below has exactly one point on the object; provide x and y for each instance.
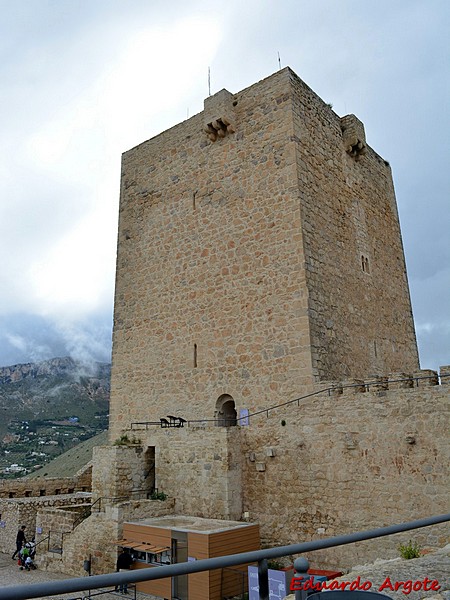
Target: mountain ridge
(58, 365)
(48, 407)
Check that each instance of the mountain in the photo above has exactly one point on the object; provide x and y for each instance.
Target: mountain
(68, 463)
(47, 408)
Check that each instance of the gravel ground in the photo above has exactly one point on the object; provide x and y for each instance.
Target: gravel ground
(10, 574)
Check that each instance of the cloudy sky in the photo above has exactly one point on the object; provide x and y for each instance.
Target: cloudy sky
(81, 81)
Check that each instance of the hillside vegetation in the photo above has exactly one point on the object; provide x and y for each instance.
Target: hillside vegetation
(48, 408)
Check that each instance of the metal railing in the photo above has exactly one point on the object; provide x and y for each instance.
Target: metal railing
(41, 541)
(334, 389)
(84, 514)
(142, 494)
(23, 592)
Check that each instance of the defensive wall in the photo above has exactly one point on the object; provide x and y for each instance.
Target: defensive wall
(46, 486)
(349, 456)
(22, 499)
(95, 538)
(25, 511)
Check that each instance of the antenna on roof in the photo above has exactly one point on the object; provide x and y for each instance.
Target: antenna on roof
(279, 61)
(209, 81)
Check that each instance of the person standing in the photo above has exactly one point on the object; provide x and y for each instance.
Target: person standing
(124, 562)
(20, 541)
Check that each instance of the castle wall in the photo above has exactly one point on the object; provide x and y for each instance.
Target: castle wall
(338, 463)
(354, 456)
(24, 511)
(201, 469)
(359, 306)
(348, 462)
(45, 486)
(120, 472)
(94, 538)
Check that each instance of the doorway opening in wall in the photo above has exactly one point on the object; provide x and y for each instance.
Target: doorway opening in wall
(226, 414)
(149, 470)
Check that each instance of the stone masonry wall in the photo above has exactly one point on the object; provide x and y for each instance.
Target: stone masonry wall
(201, 469)
(49, 486)
(210, 289)
(199, 458)
(119, 473)
(350, 461)
(24, 511)
(359, 304)
(95, 538)
(256, 249)
(357, 455)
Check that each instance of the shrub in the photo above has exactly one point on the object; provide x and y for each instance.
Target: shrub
(124, 440)
(409, 550)
(155, 495)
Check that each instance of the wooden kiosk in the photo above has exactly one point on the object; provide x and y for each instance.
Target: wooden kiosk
(174, 539)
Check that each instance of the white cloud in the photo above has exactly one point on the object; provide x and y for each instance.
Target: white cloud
(80, 84)
(78, 148)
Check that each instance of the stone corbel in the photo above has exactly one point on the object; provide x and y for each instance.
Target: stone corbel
(219, 115)
(354, 136)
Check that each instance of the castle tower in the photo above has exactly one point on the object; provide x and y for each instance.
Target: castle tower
(259, 252)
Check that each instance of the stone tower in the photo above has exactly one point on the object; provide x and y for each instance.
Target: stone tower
(259, 252)
(261, 295)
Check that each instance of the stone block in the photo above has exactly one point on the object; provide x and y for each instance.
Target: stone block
(445, 375)
(400, 380)
(425, 378)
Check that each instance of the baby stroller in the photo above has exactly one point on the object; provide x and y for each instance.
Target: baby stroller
(29, 564)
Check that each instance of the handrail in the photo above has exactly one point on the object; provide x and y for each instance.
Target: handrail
(99, 502)
(140, 494)
(23, 592)
(36, 544)
(334, 388)
(82, 517)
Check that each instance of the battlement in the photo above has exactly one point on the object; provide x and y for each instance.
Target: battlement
(423, 378)
(45, 486)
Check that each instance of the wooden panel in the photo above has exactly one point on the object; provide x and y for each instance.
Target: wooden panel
(243, 539)
(198, 582)
(198, 586)
(229, 582)
(146, 534)
(198, 545)
(155, 536)
(158, 587)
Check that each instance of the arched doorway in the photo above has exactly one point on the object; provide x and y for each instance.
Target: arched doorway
(226, 414)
